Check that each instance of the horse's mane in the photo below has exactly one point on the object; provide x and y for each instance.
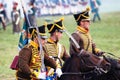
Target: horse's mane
(71, 63)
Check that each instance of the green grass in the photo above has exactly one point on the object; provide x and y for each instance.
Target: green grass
(105, 34)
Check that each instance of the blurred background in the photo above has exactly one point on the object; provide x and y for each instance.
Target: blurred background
(104, 32)
(61, 7)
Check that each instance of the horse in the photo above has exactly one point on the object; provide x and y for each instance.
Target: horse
(83, 66)
(113, 73)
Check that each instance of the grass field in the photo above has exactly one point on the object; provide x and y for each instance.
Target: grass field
(105, 34)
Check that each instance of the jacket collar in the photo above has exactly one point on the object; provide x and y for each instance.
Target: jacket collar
(34, 44)
(80, 29)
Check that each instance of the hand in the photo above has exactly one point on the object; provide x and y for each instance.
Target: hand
(100, 53)
(36, 74)
(58, 72)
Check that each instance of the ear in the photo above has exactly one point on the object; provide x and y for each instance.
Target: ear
(56, 33)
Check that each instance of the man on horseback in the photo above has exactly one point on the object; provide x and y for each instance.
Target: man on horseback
(53, 48)
(82, 35)
(30, 62)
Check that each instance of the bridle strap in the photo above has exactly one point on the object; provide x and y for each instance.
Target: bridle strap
(101, 59)
(85, 75)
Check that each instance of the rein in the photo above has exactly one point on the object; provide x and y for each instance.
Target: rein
(113, 55)
(99, 70)
(85, 75)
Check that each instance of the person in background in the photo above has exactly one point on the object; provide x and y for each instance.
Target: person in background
(82, 35)
(2, 16)
(53, 48)
(95, 9)
(30, 60)
(15, 20)
(32, 13)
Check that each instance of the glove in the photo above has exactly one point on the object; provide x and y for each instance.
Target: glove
(37, 74)
(100, 53)
(58, 72)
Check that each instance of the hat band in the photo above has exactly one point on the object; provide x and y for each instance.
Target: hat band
(80, 16)
(42, 34)
(59, 26)
(85, 16)
(51, 28)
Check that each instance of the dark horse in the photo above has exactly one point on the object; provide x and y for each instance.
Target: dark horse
(113, 73)
(83, 67)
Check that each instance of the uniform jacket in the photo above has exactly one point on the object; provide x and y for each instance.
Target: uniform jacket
(84, 40)
(15, 21)
(52, 49)
(29, 59)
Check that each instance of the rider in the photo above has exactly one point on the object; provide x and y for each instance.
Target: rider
(82, 35)
(53, 48)
(30, 61)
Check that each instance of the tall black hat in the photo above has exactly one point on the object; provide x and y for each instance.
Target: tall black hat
(56, 26)
(82, 16)
(41, 29)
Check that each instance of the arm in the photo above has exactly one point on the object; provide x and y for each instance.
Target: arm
(73, 48)
(65, 55)
(96, 51)
(24, 59)
(49, 61)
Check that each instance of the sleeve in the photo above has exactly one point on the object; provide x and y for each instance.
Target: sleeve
(65, 54)
(49, 61)
(73, 49)
(17, 18)
(95, 50)
(24, 59)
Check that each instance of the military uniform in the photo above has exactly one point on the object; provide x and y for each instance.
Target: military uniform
(15, 20)
(82, 36)
(31, 14)
(53, 48)
(29, 60)
(84, 39)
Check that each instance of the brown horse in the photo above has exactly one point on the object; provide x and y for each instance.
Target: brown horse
(113, 73)
(83, 67)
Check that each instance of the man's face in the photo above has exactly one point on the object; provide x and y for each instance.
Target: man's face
(85, 24)
(58, 36)
(43, 40)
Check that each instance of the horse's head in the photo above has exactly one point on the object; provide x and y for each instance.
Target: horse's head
(96, 61)
(115, 63)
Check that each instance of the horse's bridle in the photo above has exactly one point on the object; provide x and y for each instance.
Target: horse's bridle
(98, 64)
(86, 75)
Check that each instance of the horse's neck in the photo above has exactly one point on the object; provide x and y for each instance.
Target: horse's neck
(94, 58)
